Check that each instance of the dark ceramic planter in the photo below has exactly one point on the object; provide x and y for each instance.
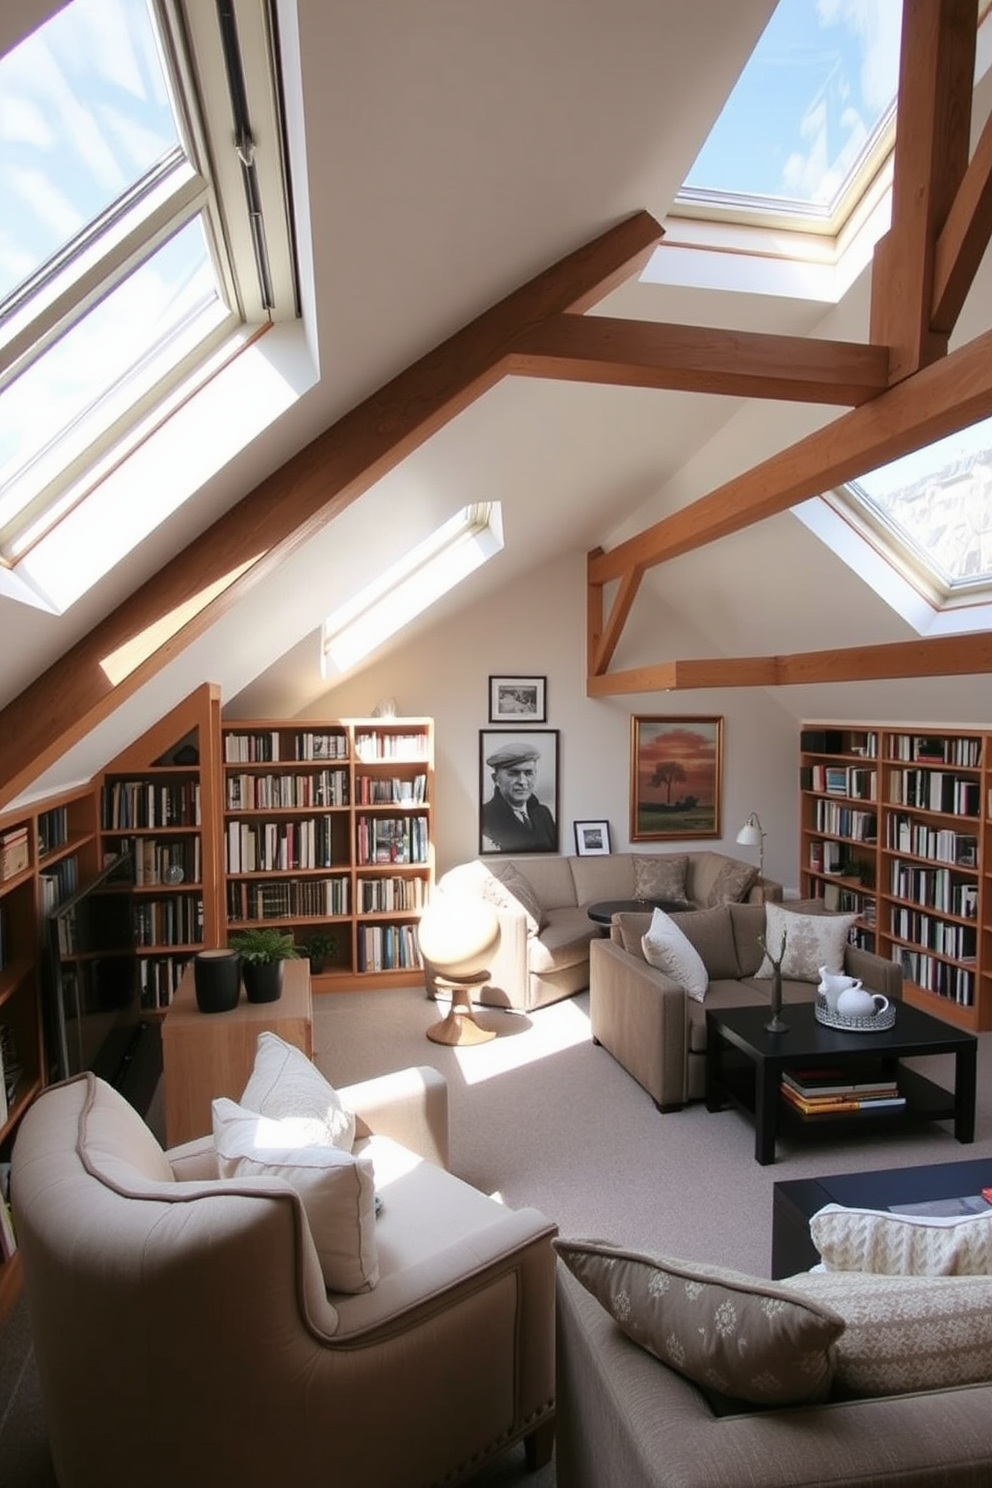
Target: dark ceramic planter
(263, 980)
(217, 980)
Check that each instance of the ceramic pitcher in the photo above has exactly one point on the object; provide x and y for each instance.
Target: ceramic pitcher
(833, 983)
(855, 1002)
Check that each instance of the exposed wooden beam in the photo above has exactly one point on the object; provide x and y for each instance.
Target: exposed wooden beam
(698, 359)
(940, 656)
(965, 237)
(223, 563)
(936, 70)
(941, 398)
(613, 627)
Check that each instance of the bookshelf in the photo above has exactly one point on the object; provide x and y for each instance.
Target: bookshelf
(160, 800)
(896, 827)
(328, 830)
(44, 852)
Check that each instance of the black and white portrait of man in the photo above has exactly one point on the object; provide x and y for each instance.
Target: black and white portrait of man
(518, 792)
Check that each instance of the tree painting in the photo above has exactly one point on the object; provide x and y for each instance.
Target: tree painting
(676, 768)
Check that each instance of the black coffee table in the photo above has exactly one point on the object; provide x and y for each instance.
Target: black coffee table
(796, 1201)
(604, 911)
(744, 1064)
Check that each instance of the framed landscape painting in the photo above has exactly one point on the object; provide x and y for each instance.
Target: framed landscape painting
(676, 768)
(518, 700)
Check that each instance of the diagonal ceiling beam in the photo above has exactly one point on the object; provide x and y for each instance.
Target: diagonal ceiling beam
(965, 236)
(697, 359)
(940, 656)
(225, 562)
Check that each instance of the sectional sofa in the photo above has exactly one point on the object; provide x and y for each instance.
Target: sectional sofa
(542, 904)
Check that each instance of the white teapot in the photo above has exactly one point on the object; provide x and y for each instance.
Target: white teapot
(832, 984)
(855, 1002)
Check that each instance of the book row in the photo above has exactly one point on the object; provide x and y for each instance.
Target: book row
(264, 847)
(263, 746)
(291, 792)
(855, 781)
(375, 746)
(129, 804)
(402, 839)
(287, 899)
(373, 790)
(846, 821)
(934, 888)
(907, 834)
(158, 979)
(935, 790)
(388, 895)
(174, 921)
(388, 948)
(938, 748)
(942, 978)
(57, 882)
(960, 942)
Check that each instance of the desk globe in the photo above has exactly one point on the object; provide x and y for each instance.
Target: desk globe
(458, 937)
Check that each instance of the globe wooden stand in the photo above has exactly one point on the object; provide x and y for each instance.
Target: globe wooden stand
(460, 1027)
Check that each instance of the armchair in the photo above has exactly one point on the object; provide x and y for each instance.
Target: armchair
(183, 1332)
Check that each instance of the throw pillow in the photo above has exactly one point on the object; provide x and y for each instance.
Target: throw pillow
(903, 1244)
(660, 877)
(811, 941)
(337, 1188)
(749, 1339)
(905, 1333)
(284, 1082)
(671, 951)
(732, 884)
(711, 932)
(507, 888)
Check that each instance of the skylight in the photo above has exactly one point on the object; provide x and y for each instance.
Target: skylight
(809, 121)
(450, 554)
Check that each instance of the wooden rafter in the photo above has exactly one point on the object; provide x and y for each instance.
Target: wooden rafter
(696, 359)
(223, 563)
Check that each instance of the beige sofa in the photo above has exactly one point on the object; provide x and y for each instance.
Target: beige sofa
(648, 1023)
(184, 1335)
(544, 945)
(625, 1420)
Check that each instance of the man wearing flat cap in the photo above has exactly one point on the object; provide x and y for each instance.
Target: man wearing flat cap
(513, 819)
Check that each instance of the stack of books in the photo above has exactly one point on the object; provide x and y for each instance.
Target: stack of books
(831, 1091)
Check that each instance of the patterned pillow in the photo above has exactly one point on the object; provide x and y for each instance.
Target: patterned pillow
(749, 1339)
(905, 1333)
(660, 877)
(507, 888)
(903, 1244)
(670, 950)
(811, 941)
(732, 884)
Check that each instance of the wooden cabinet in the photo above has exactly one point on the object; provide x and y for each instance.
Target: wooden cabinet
(328, 830)
(160, 802)
(896, 827)
(45, 852)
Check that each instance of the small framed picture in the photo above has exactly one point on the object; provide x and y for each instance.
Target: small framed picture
(518, 700)
(592, 838)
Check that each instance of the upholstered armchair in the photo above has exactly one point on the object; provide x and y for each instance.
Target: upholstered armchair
(184, 1333)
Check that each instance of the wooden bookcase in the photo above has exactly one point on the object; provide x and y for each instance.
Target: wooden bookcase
(328, 828)
(160, 800)
(896, 827)
(45, 852)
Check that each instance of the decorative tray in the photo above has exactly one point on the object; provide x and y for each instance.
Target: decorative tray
(875, 1023)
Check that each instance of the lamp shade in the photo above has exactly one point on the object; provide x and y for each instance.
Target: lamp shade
(750, 834)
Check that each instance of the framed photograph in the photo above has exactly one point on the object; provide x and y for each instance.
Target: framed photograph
(518, 700)
(518, 790)
(676, 769)
(592, 838)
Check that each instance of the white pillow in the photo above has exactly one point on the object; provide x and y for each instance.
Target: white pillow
(811, 941)
(284, 1082)
(337, 1188)
(903, 1244)
(671, 951)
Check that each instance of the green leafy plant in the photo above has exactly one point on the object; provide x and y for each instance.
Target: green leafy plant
(263, 944)
(319, 947)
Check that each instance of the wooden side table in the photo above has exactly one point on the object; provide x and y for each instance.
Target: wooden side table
(210, 1054)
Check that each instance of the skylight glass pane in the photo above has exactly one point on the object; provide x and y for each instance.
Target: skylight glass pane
(939, 500)
(85, 114)
(105, 364)
(821, 81)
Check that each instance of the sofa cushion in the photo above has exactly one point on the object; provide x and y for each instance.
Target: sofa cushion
(337, 1188)
(660, 876)
(903, 1244)
(748, 923)
(507, 888)
(284, 1082)
(668, 948)
(710, 931)
(596, 878)
(732, 884)
(743, 1337)
(905, 1333)
(811, 941)
(629, 929)
(563, 942)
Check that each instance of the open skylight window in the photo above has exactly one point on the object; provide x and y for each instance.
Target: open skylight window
(145, 232)
(456, 549)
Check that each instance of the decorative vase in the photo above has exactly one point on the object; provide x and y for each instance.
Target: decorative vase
(217, 980)
(263, 980)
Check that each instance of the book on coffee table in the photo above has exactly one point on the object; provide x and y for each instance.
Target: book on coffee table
(868, 1079)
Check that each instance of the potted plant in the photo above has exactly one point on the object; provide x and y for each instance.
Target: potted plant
(263, 949)
(321, 947)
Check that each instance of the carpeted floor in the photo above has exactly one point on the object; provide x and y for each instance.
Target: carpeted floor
(540, 1116)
